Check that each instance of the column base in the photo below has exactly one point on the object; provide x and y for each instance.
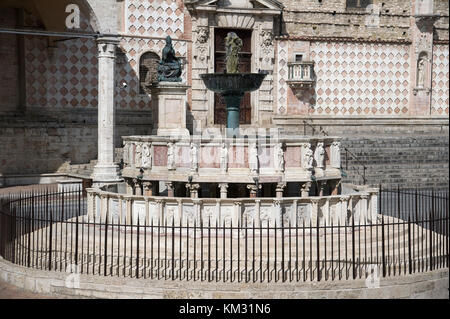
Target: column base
(106, 174)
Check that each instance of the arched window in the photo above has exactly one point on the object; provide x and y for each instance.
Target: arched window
(148, 75)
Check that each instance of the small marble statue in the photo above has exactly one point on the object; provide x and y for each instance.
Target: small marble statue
(253, 158)
(279, 157)
(170, 156)
(421, 72)
(319, 155)
(146, 156)
(194, 157)
(307, 156)
(336, 154)
(169, 68)
(224, 158)
(233, 45)
(138, 156)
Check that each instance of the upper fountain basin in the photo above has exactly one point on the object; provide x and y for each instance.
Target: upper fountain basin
(233, 83)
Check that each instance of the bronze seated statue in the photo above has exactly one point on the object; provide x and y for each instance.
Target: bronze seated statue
(169, 68)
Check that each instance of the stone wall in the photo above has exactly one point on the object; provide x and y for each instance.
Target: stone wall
(44, 143)
(424, 285)
(9, 80)
(410, 153)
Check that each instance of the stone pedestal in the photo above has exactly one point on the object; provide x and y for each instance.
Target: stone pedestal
(170, 107)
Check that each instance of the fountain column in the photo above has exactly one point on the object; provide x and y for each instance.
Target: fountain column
(233, 102)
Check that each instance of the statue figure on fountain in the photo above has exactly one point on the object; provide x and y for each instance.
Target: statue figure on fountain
(279, 157)
(319, 155)
(146, 156)
(170, 156)
(169, 68)
(224, 158)
(253, 158)
(194, 157)
(233, 45)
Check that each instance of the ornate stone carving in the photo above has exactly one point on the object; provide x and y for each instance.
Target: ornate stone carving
(209, 214)
(253, 158)
(248, 216)
(202, 35)
(226, 215)
(201, 46)
(279, 157)
(307, 156)
(266, 42)
(224, 158)
(194, 157)
(146, 156)
(319, 155)
(138, 155)
(335, 154)
(170, 156)
(265, 215)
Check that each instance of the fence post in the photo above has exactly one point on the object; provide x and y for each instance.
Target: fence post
(409, 245)
(353, 248)
(431, 228)
(106, 243)
(51, 239)
(383, 256)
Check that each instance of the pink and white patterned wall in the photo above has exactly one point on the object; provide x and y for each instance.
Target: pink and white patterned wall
(440, 80)
(147, 23)
(360, 78)
(63, 76)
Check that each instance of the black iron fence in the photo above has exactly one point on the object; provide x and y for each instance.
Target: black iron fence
(51, 231)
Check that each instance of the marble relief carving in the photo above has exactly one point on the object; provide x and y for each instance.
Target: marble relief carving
(138, 155)
(146, 156)
(336, 154)
(224, 158)
(279, 157)
(253, 157)
(170, 156)
(194, 157)
(319, 155)
(307, 156)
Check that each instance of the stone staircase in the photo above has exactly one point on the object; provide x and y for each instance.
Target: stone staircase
(86, 169)
(413, 161)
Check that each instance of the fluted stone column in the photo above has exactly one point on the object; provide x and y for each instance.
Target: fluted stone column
(106, 172)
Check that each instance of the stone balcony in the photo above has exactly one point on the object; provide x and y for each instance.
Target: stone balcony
(301, 74)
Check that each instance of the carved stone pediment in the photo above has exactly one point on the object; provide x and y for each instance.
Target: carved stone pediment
(238, 4)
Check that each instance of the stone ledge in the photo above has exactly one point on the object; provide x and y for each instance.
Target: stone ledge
(424, 285)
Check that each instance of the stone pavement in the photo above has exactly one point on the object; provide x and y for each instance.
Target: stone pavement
(8, 291)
